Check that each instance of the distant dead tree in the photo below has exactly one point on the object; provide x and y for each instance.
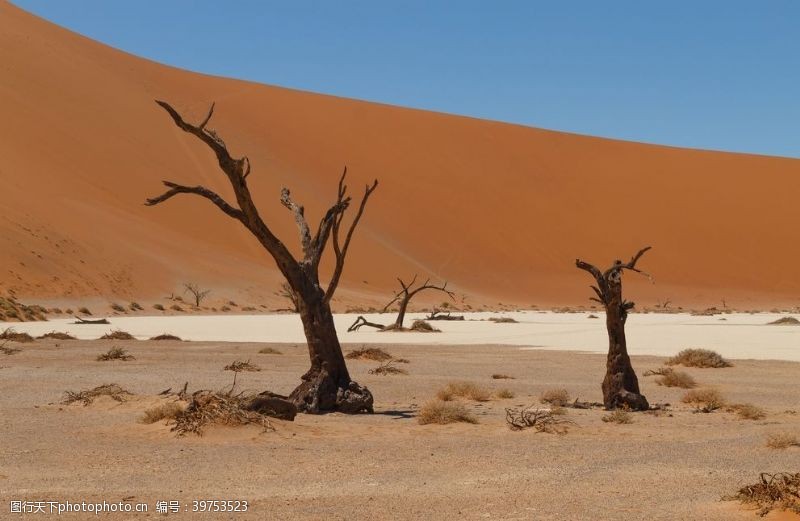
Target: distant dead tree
(620, 385)
(403, 296)
(198, 294)
(288, 293)
(327, 385)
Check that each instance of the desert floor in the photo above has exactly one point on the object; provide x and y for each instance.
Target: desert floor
(384, 466)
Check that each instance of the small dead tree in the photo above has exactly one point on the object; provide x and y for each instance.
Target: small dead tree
(407, 292)
(198, 294)
(620, 385)
(327, 385)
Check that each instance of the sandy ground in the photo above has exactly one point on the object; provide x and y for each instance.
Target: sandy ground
(386, 465)
(735, 335)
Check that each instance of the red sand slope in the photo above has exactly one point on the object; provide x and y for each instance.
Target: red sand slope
(499, 210)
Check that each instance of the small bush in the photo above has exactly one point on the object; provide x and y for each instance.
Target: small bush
(166, 336)
(747, 411)
(83, 310)
(269, 351)
(558, 397)
(503, 320)
(498, 376)
(369, 353)
(87, 397)
(441, 413)
(703, 358)
(782, 440)
(239, 366)
(779, 491)
(135, 306)
(176, 307)
(705, 400)
(224, 309)
(56, 335)
(165, 411)
(618, 416)
(423, 327)
(785, 321)
(504, 394)
(222, 408)
(117, 335)
(387, 368)
(668, 377)
(115, 353)
(13, 336)
(117, 307)
(159, 307)
(467, 390)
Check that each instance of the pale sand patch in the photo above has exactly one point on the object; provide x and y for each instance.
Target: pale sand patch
(386, 465)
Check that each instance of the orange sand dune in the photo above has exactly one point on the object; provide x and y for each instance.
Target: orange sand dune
(499, 210)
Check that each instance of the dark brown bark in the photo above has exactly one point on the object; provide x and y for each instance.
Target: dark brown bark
(327, 385)
(620, 385)
(407, 292)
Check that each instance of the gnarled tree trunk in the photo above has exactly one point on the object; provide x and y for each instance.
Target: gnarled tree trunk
(620, 385)
(407, 292)
(327, 385)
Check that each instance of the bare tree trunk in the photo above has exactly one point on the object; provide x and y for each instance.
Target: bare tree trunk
(407, 292)
(620, 385)
(327, 385)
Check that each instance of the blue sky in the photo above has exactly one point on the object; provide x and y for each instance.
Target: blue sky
(721, 75)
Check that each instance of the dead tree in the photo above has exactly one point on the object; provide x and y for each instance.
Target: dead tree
(198, 294)
(407, 292)
(620, 385)
(327, 385)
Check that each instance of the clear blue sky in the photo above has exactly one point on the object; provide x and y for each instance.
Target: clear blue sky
(716, 74)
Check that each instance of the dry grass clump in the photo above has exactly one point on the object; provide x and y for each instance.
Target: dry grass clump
(541, 420)
(14, 336)
(704, 358)
(117, 335)
(503, 320)
(238, 366)
(441, 413)
(87, 397)
(135, 306)
(504, 394)
(220, 408)
(785, 321)
(176, 307)
(780, 491)
(782, 440)
(747, 411)
(500, 376)
(618, 416)
(369, 353)
(84, 310)
(387, 368)
(57, 335)
(466, 390)
(668, 377)
(269, 351)
(115, 353)
(166, 336)
(159, 307)
(704, 400)
(558, 397)
(118, 308)
(165, 411)
(421, 326)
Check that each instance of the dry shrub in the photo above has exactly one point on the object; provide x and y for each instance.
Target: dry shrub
(84, 310)
(747, 411)
(423, 327)
(441, 413)
(669, 377)
(467, 390)
(369, 353)
(57, 335)
(135, 306)
(619, 416)
(115, 353)
(158, 307)
(165, 411)
(117, 335)
(785, 321)
(176, 307)
(87, 397)
(386, 368)
(779, 491)
(504, 394)
(220, 408)
(498, 376)
(238, 366)
(704, 400)
(117, 307)
(558, 397)
(503, 320)
(541, 420)
(782, 440)
(166, 336)
(12, 335)
(269, 351)
(703, 358)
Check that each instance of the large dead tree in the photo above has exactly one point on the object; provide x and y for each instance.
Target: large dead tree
(327, 385)
(407, 292)
(620, 385)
